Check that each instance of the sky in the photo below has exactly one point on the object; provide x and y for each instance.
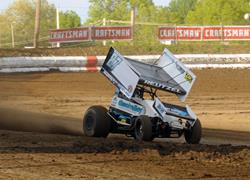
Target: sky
(79, 6)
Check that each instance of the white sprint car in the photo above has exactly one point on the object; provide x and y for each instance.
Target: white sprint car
(135, 109)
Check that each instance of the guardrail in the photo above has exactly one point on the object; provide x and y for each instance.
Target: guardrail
(93, 63)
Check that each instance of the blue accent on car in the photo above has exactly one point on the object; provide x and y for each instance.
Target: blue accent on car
(181, 113)
(130, 106)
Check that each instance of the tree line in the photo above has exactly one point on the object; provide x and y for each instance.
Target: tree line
(188, 12)
(19, 18)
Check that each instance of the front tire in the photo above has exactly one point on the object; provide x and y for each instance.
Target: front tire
(193, 135)
(96, 122)
(143, 129)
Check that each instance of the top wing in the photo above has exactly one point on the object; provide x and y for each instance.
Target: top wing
(156, 77)
(167, 74)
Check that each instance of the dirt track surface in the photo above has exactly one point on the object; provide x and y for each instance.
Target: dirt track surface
(55, 103)
(36, 156)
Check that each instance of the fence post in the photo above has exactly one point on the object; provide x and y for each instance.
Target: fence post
(37, 23)
(57, 24)
(104, 24)
(222, 33)
(202, 33)
(12, 35)
(132, 19)
(176, 35)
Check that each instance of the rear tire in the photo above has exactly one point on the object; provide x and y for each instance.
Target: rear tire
(193, 135)
(96, 122)
(143, 129)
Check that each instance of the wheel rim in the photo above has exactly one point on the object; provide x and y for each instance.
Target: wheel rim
(139, 132)
(89, 123)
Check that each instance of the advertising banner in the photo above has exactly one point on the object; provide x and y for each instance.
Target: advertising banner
(111, 33)
(204, 33)
(91, 33)
(70, 35)
(180, 33)
(226, 33)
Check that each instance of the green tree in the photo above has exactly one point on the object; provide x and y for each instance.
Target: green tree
(69, 19)
(146, 12)
(227, 12)
(179, 10)
(21, 14)
(109, 9)
(162, 15)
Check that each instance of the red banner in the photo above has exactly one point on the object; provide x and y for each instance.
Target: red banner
(91, 33)
(206, 33)
(111, 33)
(70, 35)
(180, 33)
(226, 33)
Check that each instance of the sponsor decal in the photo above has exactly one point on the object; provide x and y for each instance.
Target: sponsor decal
(161, 86)
(159, 107)
(177, 111)
(114, 101)
(114, 61)
(127, 106)
(179, 68)
(176, 124)
(188, 77)
(130, 88)
(130, 106)
(173, 61)
(123, 120)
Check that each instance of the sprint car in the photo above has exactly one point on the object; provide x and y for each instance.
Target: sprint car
(135, 108)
